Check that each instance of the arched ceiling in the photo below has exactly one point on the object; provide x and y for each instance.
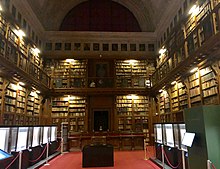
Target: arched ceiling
(52, 12)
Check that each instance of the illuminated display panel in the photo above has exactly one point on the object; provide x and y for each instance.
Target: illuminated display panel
(182, 132)
(53, 136)
(45, 134)
(176, 130)
(188, 139)
(30, 136)
(14, 136)
(4, 133)
(159, 136)
(22, 138)
(4, 155)
(169, 135)
(36, 137)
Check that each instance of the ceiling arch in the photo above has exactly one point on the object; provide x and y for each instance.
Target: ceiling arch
(101, 16)
(52, 12)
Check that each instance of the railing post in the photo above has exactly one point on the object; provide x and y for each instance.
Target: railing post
(20, 159)
(183, 160)
(208, 164)
(163, 162)
(47, 155)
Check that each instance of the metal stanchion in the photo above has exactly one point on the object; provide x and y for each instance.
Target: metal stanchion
(208, 164)
(20, 159)
(61, 149)
(162, 149)
(47, 154)
(183, 159)
(145, 150)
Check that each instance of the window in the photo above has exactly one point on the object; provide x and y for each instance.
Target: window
(7, 4)
(32, 35)
(77, 46)
(86, 46)
(123, 47)
(164, 36)
(48, 46)
(19, 17)
(67, 46)
(175, 20)
(180, 13)
(24, 24)
(114, 47)
(141, 47)
(36, 40)
(58, 46)
(105, 47)
(40, 43)
(171, 26)
(29, 30)
(132, 47)
(168, 31)
(185, 5)
(13, 11)
(151, 47)
(95, 46)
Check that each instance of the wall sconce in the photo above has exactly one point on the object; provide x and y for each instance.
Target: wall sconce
(36, 51)
(194, 10)
(162, 50)
(19, 33)
(173, 83)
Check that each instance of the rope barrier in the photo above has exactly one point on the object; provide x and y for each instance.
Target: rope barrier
(58, 147)
(12, 161)
(169, 161)
(213, 166)
(32, 161)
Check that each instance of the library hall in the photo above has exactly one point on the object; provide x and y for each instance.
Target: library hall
(124, 84)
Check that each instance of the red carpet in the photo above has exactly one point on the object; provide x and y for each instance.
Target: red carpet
(122, 160)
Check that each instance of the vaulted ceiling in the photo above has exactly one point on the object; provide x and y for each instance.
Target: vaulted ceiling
(147, 12)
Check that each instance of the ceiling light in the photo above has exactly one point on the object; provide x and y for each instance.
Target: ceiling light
(194, 70)
(19, 33)
(21, 83)
(194, 10)
(36, 51)
(162, 50)
(131, 61)
(173, 83)
(70, 60)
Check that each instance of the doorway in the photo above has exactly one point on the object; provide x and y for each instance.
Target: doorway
(101, 121)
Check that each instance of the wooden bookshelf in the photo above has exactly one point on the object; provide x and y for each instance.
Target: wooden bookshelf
(209, 86)
(161, 103)
(71, 109)
(67, 73)
(77, 113)
(183, 96)
(1, 98)
(174, 98)
(194, 89)
(131, 73)
(132, 113)
(10, 104)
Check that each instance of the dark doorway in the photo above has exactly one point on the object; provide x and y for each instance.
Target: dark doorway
(100, 120)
